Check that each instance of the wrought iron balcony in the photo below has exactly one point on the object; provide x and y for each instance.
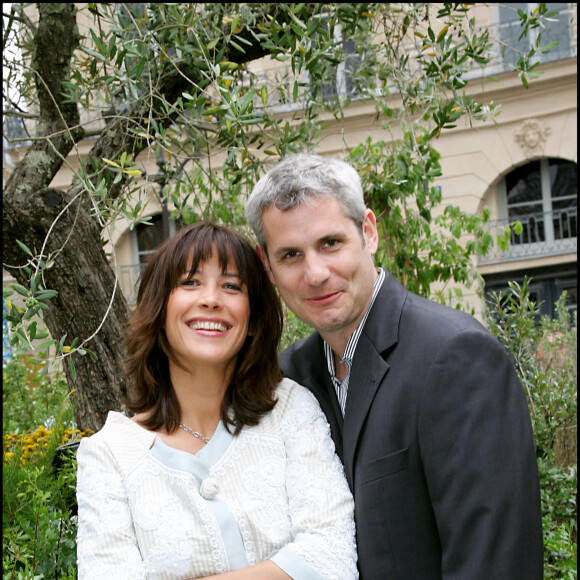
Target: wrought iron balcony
(544, 234)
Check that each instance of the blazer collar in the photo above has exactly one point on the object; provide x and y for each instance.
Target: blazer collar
(382, 325)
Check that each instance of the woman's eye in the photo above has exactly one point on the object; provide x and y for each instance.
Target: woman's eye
(230, 286)
(188, 282)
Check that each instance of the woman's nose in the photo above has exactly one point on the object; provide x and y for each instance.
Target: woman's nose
(210, 297)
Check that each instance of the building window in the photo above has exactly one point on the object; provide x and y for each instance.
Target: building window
(340, 82)
(511, 47)
(541, 195)
(147, 239)
(545, 288)
(343, 84)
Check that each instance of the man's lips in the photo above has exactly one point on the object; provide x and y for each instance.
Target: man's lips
(323, 299)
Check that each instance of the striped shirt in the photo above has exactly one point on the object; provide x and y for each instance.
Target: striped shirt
(341, 388)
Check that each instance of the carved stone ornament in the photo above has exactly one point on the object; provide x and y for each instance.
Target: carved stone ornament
(531, 136)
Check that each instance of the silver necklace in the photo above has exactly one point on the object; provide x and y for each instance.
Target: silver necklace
(195, 433)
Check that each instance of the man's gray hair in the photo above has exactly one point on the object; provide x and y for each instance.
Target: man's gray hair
(299, 179)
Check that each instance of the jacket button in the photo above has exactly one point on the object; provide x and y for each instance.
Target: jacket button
(209, 488)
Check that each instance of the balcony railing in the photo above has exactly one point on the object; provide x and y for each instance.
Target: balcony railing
(544, 234)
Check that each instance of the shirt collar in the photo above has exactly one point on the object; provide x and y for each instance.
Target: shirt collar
(354, 337)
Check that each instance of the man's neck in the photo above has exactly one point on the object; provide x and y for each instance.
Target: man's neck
(337, 342)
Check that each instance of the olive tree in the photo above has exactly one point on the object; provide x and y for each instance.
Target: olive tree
(176, 81)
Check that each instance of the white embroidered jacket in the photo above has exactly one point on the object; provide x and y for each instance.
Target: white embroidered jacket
(277, 491)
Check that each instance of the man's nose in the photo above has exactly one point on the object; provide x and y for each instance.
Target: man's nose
(317, 272)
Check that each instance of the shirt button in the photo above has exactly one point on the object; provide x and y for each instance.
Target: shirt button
(209, 488)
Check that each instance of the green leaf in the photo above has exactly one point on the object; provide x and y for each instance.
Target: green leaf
(443, 32)
(100, 44)
(524, 80)
(21, 290)
(24, 247)
(237, 46)
(91, 354)
(45, 345)
(264, 94)
(73, 370)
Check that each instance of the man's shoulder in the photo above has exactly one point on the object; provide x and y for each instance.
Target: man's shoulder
(296, 359)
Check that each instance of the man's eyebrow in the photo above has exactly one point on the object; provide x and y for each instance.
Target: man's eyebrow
(328, 237)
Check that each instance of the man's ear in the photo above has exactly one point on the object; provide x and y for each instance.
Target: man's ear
(370, 231)
(264, 257)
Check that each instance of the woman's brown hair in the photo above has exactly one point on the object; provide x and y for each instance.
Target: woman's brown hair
(251, 391)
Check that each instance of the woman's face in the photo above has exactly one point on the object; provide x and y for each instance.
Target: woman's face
(208, 316)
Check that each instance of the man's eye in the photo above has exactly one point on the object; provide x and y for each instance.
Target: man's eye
(291, 254)
(330, 243)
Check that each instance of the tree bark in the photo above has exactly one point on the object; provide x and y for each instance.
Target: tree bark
(81, 274)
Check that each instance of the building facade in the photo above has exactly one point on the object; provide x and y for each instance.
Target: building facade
(522, 167)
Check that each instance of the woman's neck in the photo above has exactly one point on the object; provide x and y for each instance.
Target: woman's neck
(200, 393)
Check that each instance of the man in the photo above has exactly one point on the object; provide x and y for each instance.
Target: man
(426, 411)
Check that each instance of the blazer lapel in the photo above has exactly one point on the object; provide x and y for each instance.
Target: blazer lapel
(369, 367)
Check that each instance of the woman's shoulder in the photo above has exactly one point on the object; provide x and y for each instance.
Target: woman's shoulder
(120, 437)
(291, 394)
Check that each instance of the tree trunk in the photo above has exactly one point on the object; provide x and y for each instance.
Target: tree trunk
(81, 274)
(84, 280)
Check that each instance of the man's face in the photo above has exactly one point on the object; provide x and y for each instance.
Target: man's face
(322, 265)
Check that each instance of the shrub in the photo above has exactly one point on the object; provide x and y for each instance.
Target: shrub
(39, 528)
(544, 353)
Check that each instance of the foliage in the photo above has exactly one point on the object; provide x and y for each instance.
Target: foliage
(30, 396)
(294, 329)
(38, 524)
(39, 528)
(410, 59)
(544, 352)
(417, 246)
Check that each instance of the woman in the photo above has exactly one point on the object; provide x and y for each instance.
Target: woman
(225, 469)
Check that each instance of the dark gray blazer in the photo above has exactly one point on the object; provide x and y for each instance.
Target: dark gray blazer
(436, 442)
